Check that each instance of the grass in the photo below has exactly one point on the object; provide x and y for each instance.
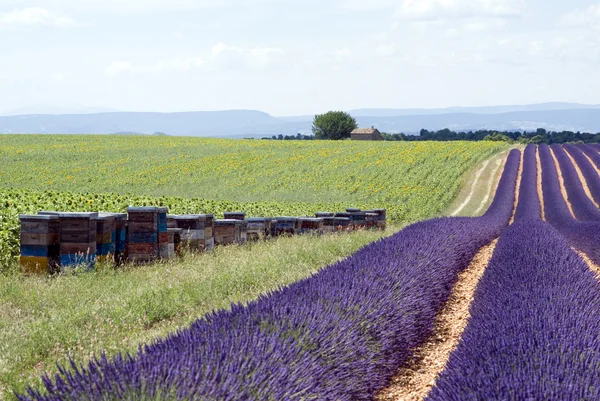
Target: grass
(409, 179)
(43, 321)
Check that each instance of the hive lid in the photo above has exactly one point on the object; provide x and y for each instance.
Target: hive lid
(227, 222)
(258, 219)
(79, 215)
(352, 210)
(118, 216)
(142, 209)
(163, 209)
(313, 219)
(191, 216)
(38, 217)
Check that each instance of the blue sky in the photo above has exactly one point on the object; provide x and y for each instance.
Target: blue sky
(297, 57)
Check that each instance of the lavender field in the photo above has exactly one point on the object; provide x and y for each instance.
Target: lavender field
(349, 331)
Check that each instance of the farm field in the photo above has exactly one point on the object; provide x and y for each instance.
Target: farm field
(412, 180)
(195, 175)
(44, 321)
(344, 333)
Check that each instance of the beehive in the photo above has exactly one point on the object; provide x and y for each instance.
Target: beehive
(259, 228)
(234, 215)
(381, 218)
(142, 234)
(227, 232)
(342, 224)
(78, 245)
(106, 237)
(121, 240)
(174, 242)
(309, 225)
(163, 235)
(197, 231)
(40, 249)
(171, 221)
(359, 220)
(243, 231)
(324, 214)
(285, 226)
(371, 219)
(352, 210)
(349, 224)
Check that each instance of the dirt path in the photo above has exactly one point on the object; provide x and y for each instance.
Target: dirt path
(518, 188)
(561, 180)
(414, 381)
(539, 183)
(492, 184)
(478, 188)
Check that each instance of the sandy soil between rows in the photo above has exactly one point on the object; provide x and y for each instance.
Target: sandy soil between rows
(415, 381)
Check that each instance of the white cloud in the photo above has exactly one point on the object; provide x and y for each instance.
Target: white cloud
(256, 56)
(447, 9)
(58, 76)
(177, 64)
(589, 17)
(387, 49)
(35, 17)
(219, 56)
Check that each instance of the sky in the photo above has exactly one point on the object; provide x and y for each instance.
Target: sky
(294, 57)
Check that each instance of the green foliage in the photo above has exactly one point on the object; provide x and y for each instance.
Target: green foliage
(498, 137)
(45, 321)
(333, 125)
(190, 175)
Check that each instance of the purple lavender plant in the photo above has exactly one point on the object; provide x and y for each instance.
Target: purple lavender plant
(339, 335)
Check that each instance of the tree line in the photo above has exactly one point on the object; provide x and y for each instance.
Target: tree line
(337, 125)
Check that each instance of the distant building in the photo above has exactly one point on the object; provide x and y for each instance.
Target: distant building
(366, 134)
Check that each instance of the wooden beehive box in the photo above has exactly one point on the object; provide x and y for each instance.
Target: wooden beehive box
(39, 241)
(227, 232)
(285, 225)
(142, 234)
(309, 225)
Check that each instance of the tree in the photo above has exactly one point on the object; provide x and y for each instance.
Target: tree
(333, 125)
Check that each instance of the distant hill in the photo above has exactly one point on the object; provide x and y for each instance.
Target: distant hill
(474, 110)
(252, 123)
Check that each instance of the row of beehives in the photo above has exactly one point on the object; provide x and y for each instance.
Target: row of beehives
(53, 241)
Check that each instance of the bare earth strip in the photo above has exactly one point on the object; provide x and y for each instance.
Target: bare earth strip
(539, 183)
(517, 191)
(592, 163)
(582, 179)
(592, 266)
(492, 184)
(472, 199)
(415, 381)
(473, 186)
(563, 190)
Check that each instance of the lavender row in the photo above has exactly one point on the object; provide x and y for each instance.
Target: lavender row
(585, 236)
(587, 170)
(590, 152)
(339, 335)
(535, 319)
(582, 206)
(529, 204)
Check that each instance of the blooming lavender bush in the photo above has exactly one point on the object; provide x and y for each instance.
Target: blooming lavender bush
(535, 319)
(583, 207)
(529, 203)
(584, 236)
(339, 335)
(587, 169)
